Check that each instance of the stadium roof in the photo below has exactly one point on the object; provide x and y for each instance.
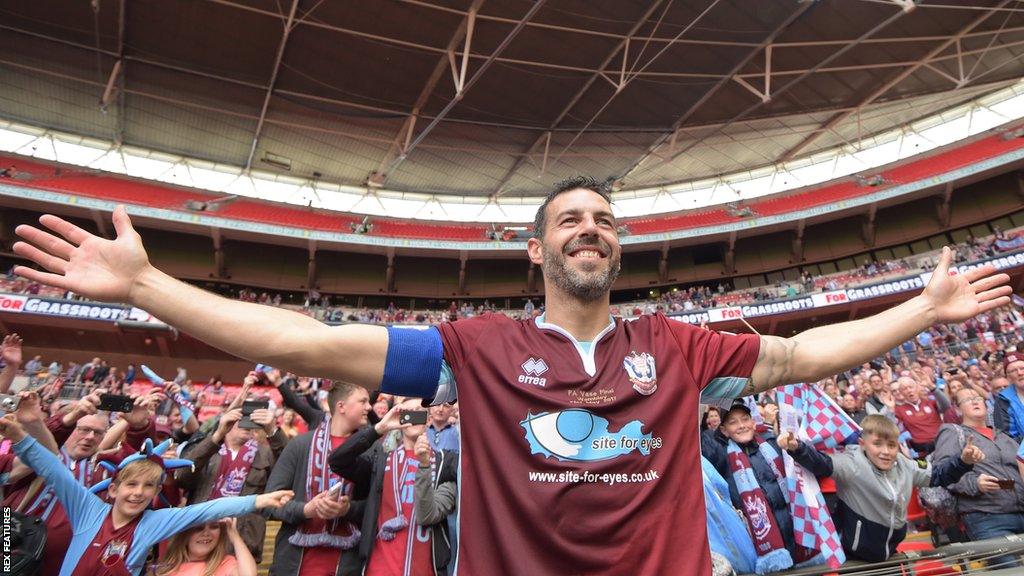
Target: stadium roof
(651, 94)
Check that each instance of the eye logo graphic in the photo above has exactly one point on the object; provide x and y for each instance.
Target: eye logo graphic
(577, 435)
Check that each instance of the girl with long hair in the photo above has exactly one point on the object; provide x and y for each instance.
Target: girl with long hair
(202, 551)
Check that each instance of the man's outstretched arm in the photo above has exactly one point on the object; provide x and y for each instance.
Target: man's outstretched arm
(119, 271)
(827, 350)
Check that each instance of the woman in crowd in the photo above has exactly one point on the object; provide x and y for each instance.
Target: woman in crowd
(288, 424)
(202, 551)
(990, 498)
(711, 420)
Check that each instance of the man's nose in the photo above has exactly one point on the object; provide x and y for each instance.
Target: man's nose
(588, 226)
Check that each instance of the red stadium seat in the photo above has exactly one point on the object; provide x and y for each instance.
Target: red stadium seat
(915, 512)
(74, 180)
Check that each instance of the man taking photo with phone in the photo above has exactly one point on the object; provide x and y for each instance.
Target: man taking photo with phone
(233, 462)
(402, 534)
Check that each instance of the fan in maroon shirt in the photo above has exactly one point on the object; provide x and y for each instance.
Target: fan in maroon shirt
(581, 436)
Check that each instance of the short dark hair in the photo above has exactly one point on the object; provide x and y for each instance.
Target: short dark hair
(602, 189)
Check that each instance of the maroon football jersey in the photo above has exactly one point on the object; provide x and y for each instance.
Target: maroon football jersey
(582, 459)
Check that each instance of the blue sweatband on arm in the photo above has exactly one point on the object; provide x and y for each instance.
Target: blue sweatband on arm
(413, 364)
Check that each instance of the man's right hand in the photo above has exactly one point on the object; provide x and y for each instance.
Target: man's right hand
(227, 420)
(11, 429)
(987, 483)
(88, 405)
(390, 421)
(324, 507)
(10, 350)
(84, 263)
(788, 441)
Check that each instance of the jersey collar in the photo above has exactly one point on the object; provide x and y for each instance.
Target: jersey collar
(587, 356)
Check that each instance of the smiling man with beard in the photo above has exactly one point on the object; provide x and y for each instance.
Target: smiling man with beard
(579, 431)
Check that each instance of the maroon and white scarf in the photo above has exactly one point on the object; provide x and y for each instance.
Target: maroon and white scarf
(335, 533)
(232, 472)
(772, 554)
(401, 466)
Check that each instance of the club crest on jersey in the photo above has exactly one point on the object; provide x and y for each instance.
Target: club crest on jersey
(114, 552)
(641, 372)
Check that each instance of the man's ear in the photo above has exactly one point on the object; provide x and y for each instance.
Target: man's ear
(535, 250)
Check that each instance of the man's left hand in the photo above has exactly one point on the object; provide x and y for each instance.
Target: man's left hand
(423, 450)
(10, 350)
(965, 295)
(265, 417)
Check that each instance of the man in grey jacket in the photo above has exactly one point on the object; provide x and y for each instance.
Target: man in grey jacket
(990, 498)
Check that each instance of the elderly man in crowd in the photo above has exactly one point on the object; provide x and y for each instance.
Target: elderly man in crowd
(920, 414)
(990, 498)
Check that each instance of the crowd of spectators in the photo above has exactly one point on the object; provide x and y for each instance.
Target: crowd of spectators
(671, 300)
(943, 420)
(359, 485)
(952, 387)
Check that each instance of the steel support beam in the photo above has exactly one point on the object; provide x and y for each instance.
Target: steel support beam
(288, 26)
(545, 137)
(944, 206)
(798, 242)
(405, 133)
(466, 87)
(311, 266)
(670, 136)
(122, 18)
(867, 228)
(884, 88)
(389, 272)
(220, 266)
(101, 223)
(785, 88)
(463, 259)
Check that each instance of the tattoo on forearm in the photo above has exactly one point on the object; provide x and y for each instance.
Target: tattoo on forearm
(774, 366)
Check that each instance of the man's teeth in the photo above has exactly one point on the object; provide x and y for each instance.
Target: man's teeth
(588, 253)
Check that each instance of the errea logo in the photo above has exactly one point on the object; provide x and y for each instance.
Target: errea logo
(532, 369)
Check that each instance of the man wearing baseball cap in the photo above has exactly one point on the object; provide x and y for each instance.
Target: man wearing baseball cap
(1009, 414)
